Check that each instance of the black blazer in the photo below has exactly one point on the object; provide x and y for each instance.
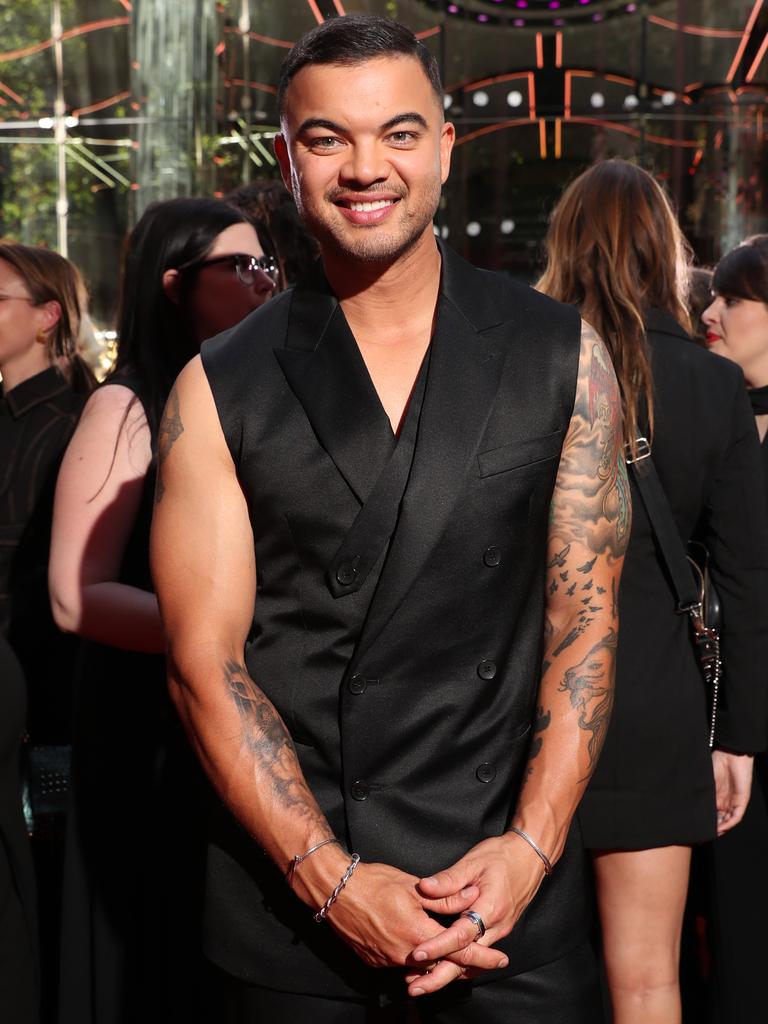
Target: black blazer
(653, 785)
(406, 669)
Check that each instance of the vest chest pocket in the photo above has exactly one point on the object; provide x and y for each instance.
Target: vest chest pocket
(519, 454)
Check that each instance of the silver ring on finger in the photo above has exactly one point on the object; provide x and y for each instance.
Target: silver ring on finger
(476, 920)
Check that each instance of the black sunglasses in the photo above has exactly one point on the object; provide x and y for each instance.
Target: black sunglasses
(246, 267)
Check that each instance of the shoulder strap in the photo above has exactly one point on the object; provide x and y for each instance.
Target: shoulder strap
(662, 521)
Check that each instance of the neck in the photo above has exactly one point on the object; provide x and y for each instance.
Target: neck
(401, 288)
(757, 376)
(16, 370)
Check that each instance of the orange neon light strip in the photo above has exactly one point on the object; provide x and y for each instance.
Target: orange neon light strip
(269, 40)
(695, 30)
(744, 40)
(490, 129)
(661, 140)
(539, 50)
(697, 157)
(558, 49)
(9, 92)
(339, 8)
(558, 138)
(471, 86)
(316, 11)
(102, 104)
(567, 94)
(427, 32)
(756, 62)
(126, 4)
(531, 95)
(253, 85)
(543, 139)
(80, 30)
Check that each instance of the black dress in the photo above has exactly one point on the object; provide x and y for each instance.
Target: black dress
(18, 966)
(739, 902)
(134, 857)
(654, 785)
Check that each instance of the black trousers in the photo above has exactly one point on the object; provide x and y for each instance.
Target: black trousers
(565, 991)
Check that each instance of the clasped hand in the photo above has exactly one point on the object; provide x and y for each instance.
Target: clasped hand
(385, 915)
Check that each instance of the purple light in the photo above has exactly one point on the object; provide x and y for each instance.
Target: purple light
(597, 17)
(520, 23)
(522, 3)
(583, 2)
(554, 4)
(453, 9)
(482, 17)
(559, 22)
(631, 8)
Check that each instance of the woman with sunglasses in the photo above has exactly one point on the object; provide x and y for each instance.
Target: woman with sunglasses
(736, 325)
(133, 875)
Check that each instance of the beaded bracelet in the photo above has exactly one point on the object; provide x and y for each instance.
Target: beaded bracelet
(323, 911)
(535, 847)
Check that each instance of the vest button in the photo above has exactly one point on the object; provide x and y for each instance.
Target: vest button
(357, 684)
(486, 772)
(486, 669)
(346, 573)
(360, 790)
(492, 556)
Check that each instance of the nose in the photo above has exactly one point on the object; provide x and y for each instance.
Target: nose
(712, 312)
(365, 165)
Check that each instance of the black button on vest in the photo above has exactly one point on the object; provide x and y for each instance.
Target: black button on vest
(486, 669)
(492, 556)
(360, 790)
(357, 684)
(486, 772)
(346, 573)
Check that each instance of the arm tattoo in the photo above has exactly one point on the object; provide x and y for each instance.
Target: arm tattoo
(589, 686)
(171, 429)
(267, 740)
(540, 724)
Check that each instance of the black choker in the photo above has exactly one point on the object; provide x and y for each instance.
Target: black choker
(759, 399)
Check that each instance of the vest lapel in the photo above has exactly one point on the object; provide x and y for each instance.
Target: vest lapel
(464, 376)
(327, 374)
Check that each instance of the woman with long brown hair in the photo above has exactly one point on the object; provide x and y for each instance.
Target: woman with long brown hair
(615, 250)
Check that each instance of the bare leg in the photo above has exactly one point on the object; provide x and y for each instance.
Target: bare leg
(641, 898)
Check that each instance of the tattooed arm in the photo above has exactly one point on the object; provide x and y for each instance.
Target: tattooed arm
(590, 519)
(204, 569)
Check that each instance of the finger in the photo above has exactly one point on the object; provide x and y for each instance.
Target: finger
(441, 975)
(481, 958)
(452, 904)
(458, 935)
(445, 883)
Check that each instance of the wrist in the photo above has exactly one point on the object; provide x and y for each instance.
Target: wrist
(316, 879)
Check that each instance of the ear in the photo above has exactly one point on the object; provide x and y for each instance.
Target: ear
(50, 314)
(447, 139)
(284, 160)
(171, 285)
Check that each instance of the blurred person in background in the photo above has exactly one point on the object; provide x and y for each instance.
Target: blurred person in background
(615, 250)
(193, 267)
(737, 328)
(699, 297)
(270, 206)
(44, 387)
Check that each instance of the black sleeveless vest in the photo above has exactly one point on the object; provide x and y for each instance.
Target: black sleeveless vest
(400, 595)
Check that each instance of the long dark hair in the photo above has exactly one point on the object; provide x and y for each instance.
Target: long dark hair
(615, 250)
(155, 336)
(49, 277)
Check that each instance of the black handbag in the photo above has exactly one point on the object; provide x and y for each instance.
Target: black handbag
(45, 789)
(689, 575)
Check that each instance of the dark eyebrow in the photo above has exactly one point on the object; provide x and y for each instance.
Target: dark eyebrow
(331, 126)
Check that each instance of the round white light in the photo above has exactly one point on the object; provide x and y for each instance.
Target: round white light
(631, 102)
(480, 98)
(446, 231)
(514, 98)
(507, 226)
(447, 101)
(45, 122)
(436, 229)
(597, 100)
(473, 229)
(668, 98)
(71, 122)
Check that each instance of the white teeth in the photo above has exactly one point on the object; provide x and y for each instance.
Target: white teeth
(369, 207)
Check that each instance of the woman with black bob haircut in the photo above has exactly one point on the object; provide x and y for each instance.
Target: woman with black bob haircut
(737, 327)
(615, 250)
(193, 268)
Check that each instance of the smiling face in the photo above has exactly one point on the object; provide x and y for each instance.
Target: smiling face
(738, 329)
(365, 151)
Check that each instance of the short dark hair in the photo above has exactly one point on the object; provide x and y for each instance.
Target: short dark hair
(743, 272)
(355, 39)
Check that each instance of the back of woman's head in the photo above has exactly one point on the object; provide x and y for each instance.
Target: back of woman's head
(155, 336)
(743, 272)
(48, 277)
(615, 250)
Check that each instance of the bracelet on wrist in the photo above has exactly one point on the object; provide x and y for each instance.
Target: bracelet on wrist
(301, 857)
(535, 847)
(322, 913)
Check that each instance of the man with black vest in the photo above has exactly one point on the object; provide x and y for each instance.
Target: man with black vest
(391, 517)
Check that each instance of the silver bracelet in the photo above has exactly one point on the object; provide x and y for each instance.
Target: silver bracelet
(323, 911)
(535, 847)
(300, 857)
